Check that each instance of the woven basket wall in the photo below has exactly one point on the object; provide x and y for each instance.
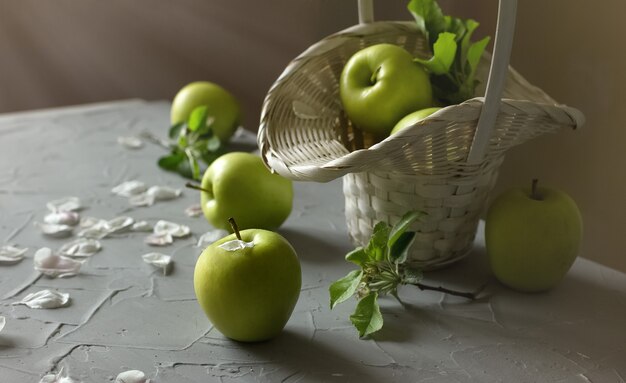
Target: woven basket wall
(305, 135)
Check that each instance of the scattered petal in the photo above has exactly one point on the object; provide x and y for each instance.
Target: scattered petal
(118, 224)
(163, 193)
(132, 376)
(175, 230)
(211, 236)
(54, 265)
(45, 299)
(194, 210)
(98, 230)
(130, 142)
(159, 260)
(236, 244)
(57, 378)
(69, 218)
(88, 221)
(10, 255)
(142, 226)
(142, 199)
(64, 204)
(129, 188)
(3, 321)
(54, 230)
(82, 247)
(159, 240)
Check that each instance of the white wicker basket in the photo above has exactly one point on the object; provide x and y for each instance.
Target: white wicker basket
(305, 135)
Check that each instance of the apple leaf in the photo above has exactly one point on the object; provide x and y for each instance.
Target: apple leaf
(399, 251)
(402, 225)
(444, 52)
(428, 16)
(377, 247)
(171, 161)
(367, 317)
(175, 130)
(197, 118)
(344, 288)
(358, 256)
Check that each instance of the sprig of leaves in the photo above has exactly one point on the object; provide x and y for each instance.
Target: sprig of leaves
(455, 58)
(193, 143)
(383, 268)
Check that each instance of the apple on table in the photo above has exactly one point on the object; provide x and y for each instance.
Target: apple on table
(532, 237)
(248, 284)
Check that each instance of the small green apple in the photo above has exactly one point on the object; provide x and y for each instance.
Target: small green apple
(413, 118)
(532, 237)
(238, 184)
(222, 107)
(248, 284)
(381, 84)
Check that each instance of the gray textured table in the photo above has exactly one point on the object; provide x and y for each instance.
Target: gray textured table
(124, 314)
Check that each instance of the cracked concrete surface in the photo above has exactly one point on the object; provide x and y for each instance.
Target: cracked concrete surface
(126, 315)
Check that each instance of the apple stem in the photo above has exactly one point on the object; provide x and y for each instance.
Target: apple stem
(534, 194)
(467, 295)
(233, 224)
(196, 187)
(374, 76)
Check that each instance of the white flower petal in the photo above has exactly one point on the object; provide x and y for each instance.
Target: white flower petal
(54, 265)
(130, 142)
(194, 210)
(59, 377)
(211, 236)
(69, 218)
(159, 240)
(10, 255)
(64, 204)
(118, 224)
(163, 193)
(82, 247)
(142, 226)
(159, 260)
(54, 230)
(45, 299)
(236, 244)
(175, 230)
(132, 376)
(89, 221)
(142, 199)
(129, 188)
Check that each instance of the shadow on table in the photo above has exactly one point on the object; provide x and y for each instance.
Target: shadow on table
(299, 357)
(313, 249)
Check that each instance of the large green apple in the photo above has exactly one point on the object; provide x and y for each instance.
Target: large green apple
(239, 185)
(248, 293)
(413, 118)
(532, 237)
(222, 107)
(381, 84)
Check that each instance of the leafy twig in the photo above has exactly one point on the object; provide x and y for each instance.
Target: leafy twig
(383, 268)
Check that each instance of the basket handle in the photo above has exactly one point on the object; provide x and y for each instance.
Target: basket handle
(366, 11)
(503, 44)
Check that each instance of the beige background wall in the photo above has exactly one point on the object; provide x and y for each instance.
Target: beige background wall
(62, 52)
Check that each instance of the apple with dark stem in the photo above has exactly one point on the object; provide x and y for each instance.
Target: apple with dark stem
(248, 283)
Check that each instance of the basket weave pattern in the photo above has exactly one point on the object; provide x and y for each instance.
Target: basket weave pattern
(305, 135)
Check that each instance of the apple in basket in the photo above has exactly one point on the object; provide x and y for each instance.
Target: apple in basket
(381, 84)
(222, 107)
(248, 284)
(532, 237)
(413, 118)
(239, 185)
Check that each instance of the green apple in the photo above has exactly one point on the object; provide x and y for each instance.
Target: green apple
(222, 107)
(239, 185)
(532, 237)
(249, 287)
(413, 118)
(381, 84)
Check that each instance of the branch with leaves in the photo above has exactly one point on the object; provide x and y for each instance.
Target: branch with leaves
(193, 143)
(383, 268)
(455, 58)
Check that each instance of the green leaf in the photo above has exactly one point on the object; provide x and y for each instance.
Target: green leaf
(470, 27)
(170, 162)
(367, 317)
(399, 251)
(344, 288)
(444, 52)
(197, 118)
(377, 247)
(474, 53)
(428, 16)
(174, 131)
(358, 256)
(412, 276)
(402, 225)
(193, 164)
